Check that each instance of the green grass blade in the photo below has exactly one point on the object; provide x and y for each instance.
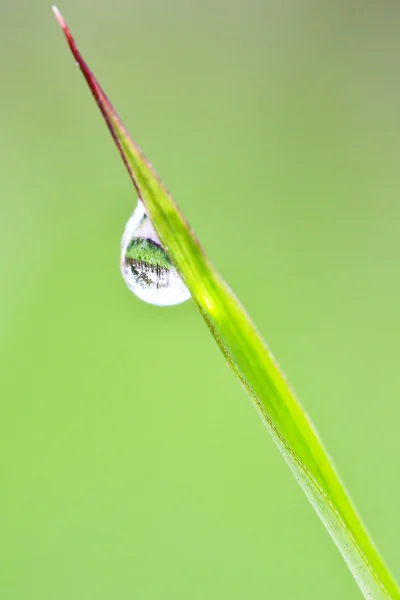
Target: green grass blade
(251, 361)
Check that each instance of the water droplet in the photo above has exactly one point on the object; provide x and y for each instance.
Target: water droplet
(145, 266)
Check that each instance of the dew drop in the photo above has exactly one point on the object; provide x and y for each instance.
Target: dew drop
(145, 266)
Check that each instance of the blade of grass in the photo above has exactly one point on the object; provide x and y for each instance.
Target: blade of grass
(250, 360)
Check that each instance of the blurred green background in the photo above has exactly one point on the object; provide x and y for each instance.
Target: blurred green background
(132, 463)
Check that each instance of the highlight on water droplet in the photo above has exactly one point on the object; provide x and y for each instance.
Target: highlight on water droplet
(145, 266)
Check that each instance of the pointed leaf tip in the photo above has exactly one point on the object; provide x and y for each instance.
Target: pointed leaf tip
(118, 132)
(59, 16)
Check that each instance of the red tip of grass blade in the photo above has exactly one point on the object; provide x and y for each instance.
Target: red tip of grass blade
(95, 88)
(111, 118)
(59, 17)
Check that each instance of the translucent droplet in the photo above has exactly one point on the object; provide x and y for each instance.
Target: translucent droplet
(145, 266)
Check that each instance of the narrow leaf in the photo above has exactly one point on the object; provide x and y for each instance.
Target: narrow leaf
(250, 359)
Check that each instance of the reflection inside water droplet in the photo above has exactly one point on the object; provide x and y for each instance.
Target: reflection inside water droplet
(146, 268)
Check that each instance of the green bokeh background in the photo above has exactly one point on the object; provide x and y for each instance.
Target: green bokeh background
(132, 463)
